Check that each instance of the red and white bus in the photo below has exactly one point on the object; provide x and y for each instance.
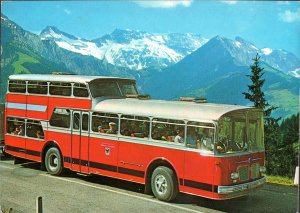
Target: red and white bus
(100, 125)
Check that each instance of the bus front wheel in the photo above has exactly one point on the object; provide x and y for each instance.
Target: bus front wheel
(53, 161)
(164, 184)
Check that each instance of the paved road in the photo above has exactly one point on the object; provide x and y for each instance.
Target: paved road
(21, 184)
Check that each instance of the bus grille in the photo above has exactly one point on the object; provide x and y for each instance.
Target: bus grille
(254, 170)
(243, 173)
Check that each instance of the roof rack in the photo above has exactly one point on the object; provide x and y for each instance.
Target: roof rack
(192, 99)
(139, 96)
(62, 73)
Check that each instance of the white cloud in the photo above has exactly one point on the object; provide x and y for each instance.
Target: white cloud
(164, 4)
(230, 2)
(68, 12)
(290, 16)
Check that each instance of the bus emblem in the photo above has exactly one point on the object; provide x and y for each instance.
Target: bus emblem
(107, 150)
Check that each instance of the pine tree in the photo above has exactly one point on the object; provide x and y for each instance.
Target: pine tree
(256, 95)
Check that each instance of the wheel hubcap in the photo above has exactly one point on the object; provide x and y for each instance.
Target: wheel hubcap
(53, 162)
(161, 185)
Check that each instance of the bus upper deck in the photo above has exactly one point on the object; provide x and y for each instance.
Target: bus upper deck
(39, 94)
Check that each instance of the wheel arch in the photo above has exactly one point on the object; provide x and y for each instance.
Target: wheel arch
(152, 166)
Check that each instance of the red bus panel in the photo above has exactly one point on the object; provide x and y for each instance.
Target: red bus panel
(103, 155)
(37, 107)
(67, 102)
(16, 105)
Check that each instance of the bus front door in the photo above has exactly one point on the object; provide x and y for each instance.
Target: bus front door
(80, 142)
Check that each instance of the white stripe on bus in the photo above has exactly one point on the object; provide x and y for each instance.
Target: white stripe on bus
(125, 139)
(32, 107)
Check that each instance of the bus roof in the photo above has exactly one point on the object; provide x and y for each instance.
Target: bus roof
(167, 109)
(61, 78)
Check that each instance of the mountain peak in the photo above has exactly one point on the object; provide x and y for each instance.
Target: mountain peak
(54, 32)
(125, 35)
(243, 41)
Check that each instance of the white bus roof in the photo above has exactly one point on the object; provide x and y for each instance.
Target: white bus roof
(60, 78)
(167, 109)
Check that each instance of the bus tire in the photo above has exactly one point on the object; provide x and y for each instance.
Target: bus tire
(53, 161)
(164, 183)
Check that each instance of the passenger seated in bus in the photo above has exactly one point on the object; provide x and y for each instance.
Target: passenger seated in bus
(30, 131)
(100, 129)
(191, 139)
(156, 135)
(22, 131)
(124, 125)
(207, 140)
(112, 128)
(179, 137)
(125, 132)
(170, 138)
(10, 130)
(16, 131)
(165, 135)
(39, 134)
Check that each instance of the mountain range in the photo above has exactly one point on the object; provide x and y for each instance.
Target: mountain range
(135, 50)
(139, 50)
(165, 65)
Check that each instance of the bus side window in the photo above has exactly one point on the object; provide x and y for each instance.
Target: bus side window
(85, 122)
(17, 86)
(200, 136)
(76, 121)
(105, 123)
(36, 87)
(135, 126)
(61, 89)
(60, 118)
(15, 126)
(34, 129)
(80, 90)
(168, 130)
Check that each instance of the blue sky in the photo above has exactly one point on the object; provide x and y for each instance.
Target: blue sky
(266, 24)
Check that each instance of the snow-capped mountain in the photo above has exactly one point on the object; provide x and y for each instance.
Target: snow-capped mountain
(244, 51)
(71, 43)
(139, 50)
(128, 48)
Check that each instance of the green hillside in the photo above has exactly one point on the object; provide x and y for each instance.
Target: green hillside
(21, 61)
(281, 91)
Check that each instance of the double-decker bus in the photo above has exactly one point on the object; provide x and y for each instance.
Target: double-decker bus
(101, 125)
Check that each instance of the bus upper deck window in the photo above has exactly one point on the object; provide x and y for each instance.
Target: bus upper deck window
(80, 90)
(61, 89)
(36, 87)
(128, 88)
(17, 86)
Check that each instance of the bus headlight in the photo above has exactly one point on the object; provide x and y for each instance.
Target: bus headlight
(234, 175)
(262, 169)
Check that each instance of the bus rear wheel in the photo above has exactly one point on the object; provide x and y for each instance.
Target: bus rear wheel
(53, 161)
(164, 184)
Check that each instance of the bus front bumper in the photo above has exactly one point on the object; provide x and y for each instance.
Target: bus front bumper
(241, 187)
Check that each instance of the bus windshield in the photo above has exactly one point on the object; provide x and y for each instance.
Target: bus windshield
(100, 88)
(239, 132)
